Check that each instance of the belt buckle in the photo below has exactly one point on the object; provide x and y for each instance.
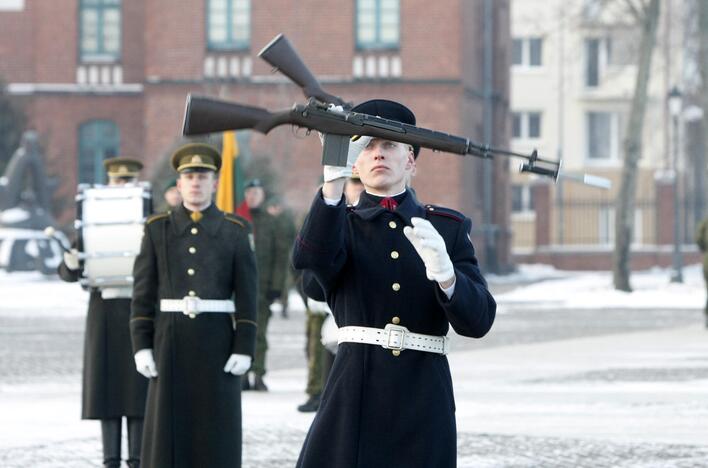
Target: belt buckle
(397, 334)
(191, 306)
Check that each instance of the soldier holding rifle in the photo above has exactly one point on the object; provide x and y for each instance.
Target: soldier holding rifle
(397, 274)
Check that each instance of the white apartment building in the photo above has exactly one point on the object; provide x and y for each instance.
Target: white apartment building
(574, 65)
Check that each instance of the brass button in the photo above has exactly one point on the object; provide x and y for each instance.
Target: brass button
(194, 230)
(395, 320)
(394, 254)
(396, 352)
(190, 272)
(192, 293)
(392, 224)
(192, 250)
(395, 286)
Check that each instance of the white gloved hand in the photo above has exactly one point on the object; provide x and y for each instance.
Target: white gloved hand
(71, 259)
(238, 364)
(355, 147)
(145, 363)
(430, 245)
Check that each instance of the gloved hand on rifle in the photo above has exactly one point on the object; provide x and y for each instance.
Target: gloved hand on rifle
(71, 259)
(356, 146)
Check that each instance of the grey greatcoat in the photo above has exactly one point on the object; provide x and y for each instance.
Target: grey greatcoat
(379, 409)
(193, 414)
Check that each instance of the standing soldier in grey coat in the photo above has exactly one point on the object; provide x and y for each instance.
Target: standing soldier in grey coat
(193, 322)
(111, 389)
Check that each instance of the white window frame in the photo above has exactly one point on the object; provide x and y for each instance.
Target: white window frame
(524, 115)
(526, 53)
(613, 158)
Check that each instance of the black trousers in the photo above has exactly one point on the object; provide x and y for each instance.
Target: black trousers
(111, 435)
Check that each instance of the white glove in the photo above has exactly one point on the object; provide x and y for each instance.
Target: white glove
(431, 247)
(355, 147)
(145, 363)
(71, 259)
(238, 364)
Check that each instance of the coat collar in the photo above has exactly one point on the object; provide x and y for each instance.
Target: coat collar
(368, 207)
(210, 221)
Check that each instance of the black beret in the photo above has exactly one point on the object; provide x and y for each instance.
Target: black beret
(390, 110)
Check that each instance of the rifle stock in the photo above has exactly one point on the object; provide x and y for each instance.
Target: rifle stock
(281, 54)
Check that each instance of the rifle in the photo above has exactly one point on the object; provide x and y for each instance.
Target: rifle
(331, 116)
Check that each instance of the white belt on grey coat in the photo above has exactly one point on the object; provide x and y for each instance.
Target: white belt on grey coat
(192, 305)
(395, 337)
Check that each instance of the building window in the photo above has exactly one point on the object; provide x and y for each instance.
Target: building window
(377, 24)
(99, 30)
(526, 125)
(229, 24)
(527, 52)
(598, 55)
(602, 136)
(98, 140)
(521, 198)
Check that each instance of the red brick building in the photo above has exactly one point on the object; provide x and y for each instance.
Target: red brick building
(105, 77)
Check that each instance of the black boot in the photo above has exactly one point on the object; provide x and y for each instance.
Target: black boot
(311, 405)
(135, 438)
(259, 385)
(110, 432)
(245, 384)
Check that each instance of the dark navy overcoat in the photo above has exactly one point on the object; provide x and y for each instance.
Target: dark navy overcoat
(378, 409)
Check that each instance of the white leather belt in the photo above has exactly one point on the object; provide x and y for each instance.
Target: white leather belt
(394, 337)
(192, 305)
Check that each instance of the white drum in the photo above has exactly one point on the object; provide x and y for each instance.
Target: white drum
(110, 225)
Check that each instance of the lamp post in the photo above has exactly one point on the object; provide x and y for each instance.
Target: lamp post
(674, 98)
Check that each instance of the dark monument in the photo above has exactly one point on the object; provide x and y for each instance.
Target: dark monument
(25, 213)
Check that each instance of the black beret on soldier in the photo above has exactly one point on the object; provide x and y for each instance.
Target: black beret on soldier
(122, 167)
(196, 157)
(390, 110)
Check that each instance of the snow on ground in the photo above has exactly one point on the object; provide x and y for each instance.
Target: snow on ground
(32, 292)
(554, 289)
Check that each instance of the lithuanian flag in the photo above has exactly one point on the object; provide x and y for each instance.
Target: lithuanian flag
(225, 190)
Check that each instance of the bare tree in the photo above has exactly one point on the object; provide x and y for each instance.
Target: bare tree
(646, 14)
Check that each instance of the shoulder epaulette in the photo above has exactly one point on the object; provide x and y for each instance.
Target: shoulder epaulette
(446, 212)
(156, 217)
(235, 219)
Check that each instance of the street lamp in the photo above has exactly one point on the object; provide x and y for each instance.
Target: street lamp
(675, 104)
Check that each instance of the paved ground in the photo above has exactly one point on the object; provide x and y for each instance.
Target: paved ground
(592, 388)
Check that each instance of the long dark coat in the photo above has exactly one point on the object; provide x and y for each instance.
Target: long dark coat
(112, 388)
(193, 414)
(377, 409)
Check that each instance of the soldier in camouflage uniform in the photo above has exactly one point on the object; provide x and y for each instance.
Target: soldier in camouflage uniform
(702, 241)
(271, 247)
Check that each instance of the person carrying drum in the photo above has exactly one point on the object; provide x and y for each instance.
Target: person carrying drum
(112, 389)
(193, 321)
